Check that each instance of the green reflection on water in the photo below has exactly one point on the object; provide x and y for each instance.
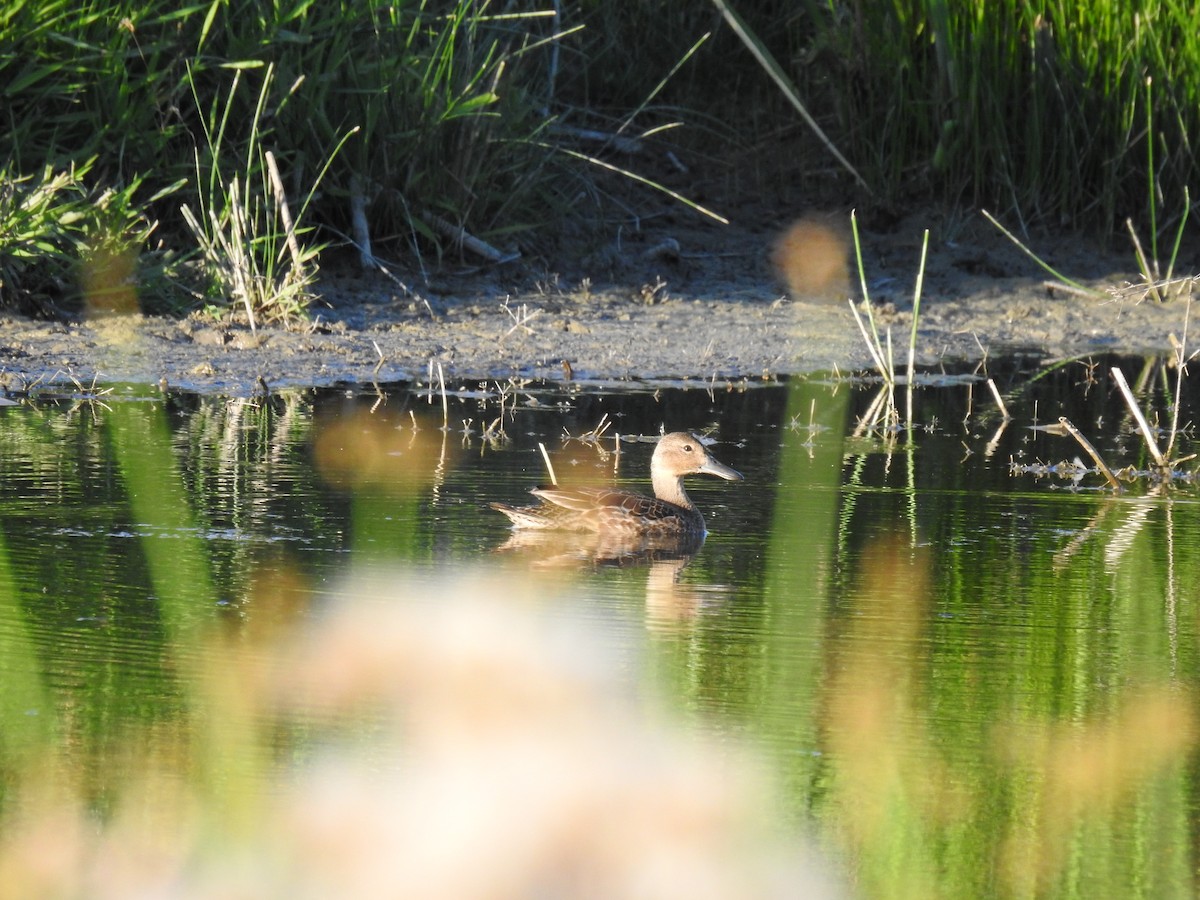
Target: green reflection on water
(965, 687)
(160, 509)
(801, 553)
(26, 719)
(1003, 703)
(218, 735)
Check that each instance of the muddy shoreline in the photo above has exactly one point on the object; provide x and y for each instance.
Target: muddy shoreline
(700, 316)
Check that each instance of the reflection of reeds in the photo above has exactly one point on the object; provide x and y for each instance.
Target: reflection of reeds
(1014, 820)
(1083, 773)
(883, 800)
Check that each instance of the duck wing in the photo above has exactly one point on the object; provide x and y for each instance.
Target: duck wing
(602, 509)
(531, 516)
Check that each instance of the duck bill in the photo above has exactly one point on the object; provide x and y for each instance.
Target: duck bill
(712, 467)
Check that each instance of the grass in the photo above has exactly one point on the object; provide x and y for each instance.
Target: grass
(53, 224)
(1038, 106)
(40, 219)
(1061, 114)
(250, 240)
(881, 354)
(440, 95)
(469, 121)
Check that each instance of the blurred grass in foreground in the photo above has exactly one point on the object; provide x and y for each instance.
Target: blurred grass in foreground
(463, 747)
(442, 736)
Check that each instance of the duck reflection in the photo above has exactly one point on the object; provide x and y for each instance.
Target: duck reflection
(602, 549)
(671, 606)
(608, 528)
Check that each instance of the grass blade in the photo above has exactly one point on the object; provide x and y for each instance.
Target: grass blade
(767, 61)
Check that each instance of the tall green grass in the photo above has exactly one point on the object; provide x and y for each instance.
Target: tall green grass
(1060, 114)
(439, 93)
(1041, 109)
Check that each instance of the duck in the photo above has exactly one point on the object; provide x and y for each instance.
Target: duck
(613, 511)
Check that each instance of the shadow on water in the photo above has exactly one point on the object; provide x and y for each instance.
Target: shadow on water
(285, 640)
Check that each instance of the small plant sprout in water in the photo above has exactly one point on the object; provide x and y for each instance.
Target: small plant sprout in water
(592, 437)
(881, 351)
(811, 428)
(87, 396)
(1165, 469)
(494, 432)
(506, 394)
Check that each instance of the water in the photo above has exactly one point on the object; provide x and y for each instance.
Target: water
(963, 676)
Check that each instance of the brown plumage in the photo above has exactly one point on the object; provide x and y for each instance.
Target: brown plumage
(609, 510)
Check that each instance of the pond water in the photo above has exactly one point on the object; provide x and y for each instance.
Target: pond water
(961, 669)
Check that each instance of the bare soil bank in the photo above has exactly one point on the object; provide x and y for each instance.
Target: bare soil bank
(714, 310)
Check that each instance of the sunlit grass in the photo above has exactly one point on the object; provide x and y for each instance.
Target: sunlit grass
(1059, 114)
(470, 117)
(438, 93)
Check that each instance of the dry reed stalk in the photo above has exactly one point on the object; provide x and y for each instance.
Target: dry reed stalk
(1091, 451)
(1150, 273)
(1143, 425)
(285, 212)
(916, 313)
(875, 351)
(549, 465)
(445, 403)
(999, 400)
(461, 238)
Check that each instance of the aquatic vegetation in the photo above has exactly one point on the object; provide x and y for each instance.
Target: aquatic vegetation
(881, 355)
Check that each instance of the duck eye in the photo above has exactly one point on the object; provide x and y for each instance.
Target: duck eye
(687, 447)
